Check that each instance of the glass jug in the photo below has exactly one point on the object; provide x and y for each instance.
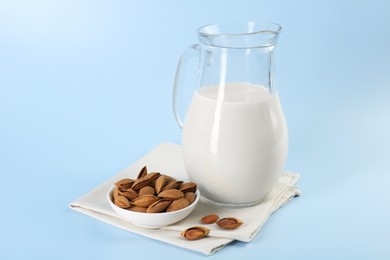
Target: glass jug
(234, 134)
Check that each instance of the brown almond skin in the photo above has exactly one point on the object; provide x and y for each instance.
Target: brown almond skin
(153, 175)
(188, 187)
(143, 172)
(229, 223)
(122, 202)
(178, 204)
(160, 183)
(140, 183)
(172, 185)
(129, 194)
(169, 178)
(138, 209)
(144, 201)
(172, 194)
(209, 219)
(195, 233)
(158, 206)
(115, 193)
(147, 190)
(190, 196)
(145, 181)
(124, 183)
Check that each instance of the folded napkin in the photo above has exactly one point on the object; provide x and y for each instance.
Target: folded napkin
(166, 158)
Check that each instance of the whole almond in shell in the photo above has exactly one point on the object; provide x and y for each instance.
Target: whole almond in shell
(160, 183)
(124, 183)
(172, 194)
(115, 193)
(188, 187)
(158, 206)
(190, 196)
(145, 181)
(178, 204)
(130, 194)
(144, 201)
(122, 202)
(172, 185)
(143, 172)
(147, 190)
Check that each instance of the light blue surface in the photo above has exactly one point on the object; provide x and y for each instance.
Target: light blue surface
(85, 90)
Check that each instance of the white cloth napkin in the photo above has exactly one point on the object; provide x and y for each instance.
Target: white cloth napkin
(166, 158)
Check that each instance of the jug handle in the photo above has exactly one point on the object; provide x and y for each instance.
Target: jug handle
(192, 51)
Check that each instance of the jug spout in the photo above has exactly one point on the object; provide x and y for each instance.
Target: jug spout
(240, 35)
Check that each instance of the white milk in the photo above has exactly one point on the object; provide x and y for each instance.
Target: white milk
(234, 148)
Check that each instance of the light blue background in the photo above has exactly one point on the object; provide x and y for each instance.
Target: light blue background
(85, 90)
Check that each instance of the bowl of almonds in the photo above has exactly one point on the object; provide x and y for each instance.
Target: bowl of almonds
(153, 200)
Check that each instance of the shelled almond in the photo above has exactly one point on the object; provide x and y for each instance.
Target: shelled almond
(229, 223)
(209, 219)
(195, 233)
(153, 193)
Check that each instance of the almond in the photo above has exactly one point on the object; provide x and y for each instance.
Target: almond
(195, 233)
(147, 190)
(190, 196)
(137, 209)
(178, 204)
(229, 223)
(129, 194)
(158, 206)
(144, 201)
(173, 184)
(209, 219)
(172, 194)
(115, 193)
(188, 187)
(124, 183)
(160, 183)
(145, 181)
(122, 202)
(143, 172)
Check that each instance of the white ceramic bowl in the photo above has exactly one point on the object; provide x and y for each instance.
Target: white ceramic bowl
(151, 220)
